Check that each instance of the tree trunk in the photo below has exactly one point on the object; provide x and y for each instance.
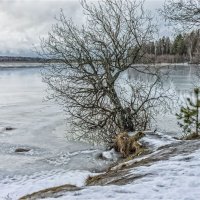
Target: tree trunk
(123, 114)
(197, 116)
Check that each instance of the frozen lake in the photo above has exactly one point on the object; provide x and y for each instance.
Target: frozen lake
(40, 126)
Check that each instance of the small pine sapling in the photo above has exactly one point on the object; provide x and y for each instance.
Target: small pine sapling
(189, 116)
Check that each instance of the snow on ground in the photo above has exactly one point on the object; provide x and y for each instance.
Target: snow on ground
(176, 178)
(110, 155)
(18, 186)
(156, 140)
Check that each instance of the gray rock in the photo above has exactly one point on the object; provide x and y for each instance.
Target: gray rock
(20, 150)
(9, 128)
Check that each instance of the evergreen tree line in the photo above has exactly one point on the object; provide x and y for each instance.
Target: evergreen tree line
(184, 47)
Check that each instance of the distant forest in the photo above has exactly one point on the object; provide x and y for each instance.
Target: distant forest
(20, 59)
(183, 48)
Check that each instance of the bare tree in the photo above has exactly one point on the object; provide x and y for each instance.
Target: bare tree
(90, 62)
(184, 12)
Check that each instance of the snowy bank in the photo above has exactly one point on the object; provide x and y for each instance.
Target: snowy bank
(170, 172)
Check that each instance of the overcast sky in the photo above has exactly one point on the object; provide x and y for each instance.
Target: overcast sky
(23, 22)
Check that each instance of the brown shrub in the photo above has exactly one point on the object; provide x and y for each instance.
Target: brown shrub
(121, 143)
(126, 144)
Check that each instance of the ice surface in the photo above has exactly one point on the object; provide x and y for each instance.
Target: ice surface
(39, 126)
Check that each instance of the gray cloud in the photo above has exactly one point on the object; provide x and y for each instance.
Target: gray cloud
(23, 22)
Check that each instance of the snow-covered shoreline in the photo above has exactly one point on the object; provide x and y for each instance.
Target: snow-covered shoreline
(53, 160)
(171, 171)
(176, 178)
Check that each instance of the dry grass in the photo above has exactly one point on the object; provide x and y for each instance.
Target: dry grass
(128, 145)
(192, 136)
(50, 192)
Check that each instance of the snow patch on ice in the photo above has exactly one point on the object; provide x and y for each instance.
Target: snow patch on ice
(110, 155)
